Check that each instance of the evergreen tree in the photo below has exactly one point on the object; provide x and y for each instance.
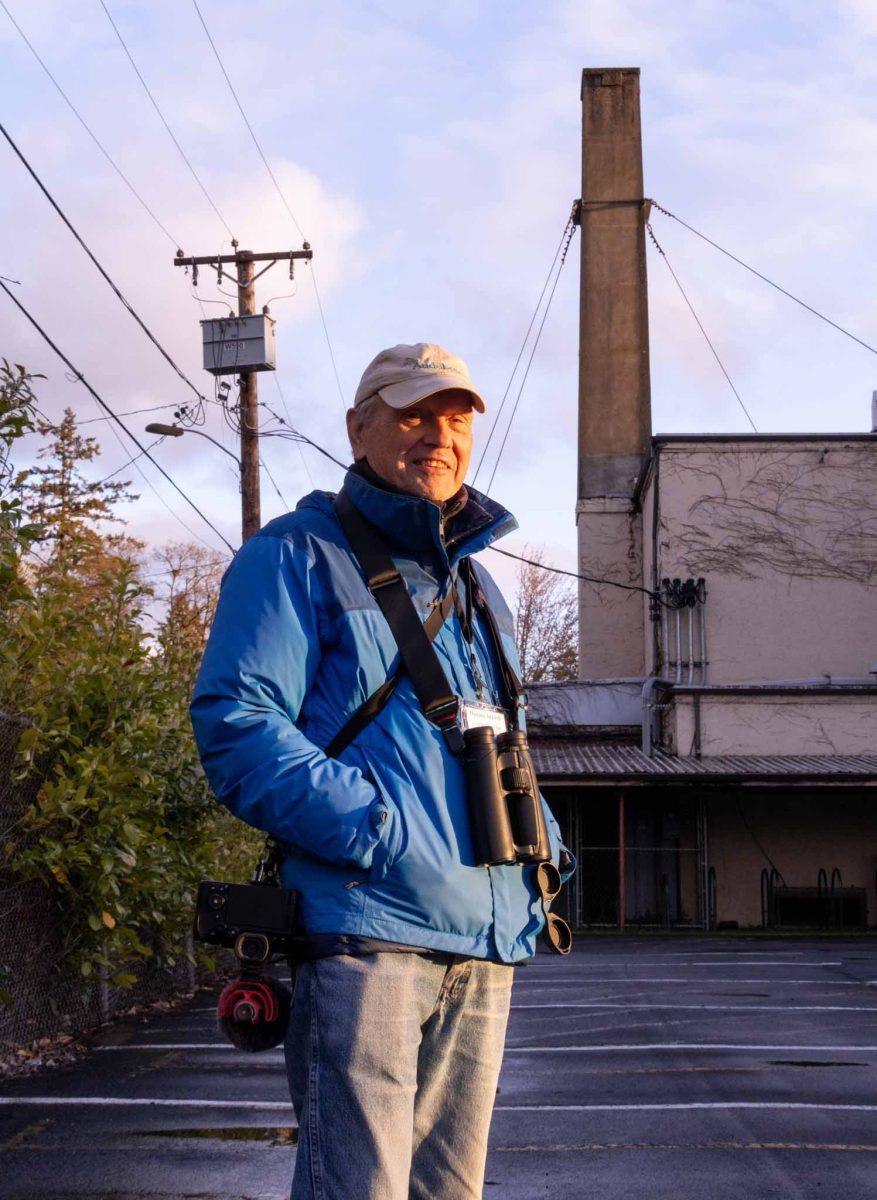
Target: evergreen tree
(68, 507)
(17, 416)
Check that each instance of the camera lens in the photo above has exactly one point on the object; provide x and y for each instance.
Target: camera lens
(252, 947)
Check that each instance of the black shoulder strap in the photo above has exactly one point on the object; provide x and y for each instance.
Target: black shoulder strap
(438, 702)
(379, 699)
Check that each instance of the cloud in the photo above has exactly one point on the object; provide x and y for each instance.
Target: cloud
(431, 155)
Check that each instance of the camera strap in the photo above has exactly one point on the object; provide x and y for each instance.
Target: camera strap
(438, 702)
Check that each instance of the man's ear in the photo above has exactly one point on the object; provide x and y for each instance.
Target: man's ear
(353, 428)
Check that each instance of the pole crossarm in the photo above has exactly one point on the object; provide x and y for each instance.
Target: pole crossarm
(244, 279)
(212, 260)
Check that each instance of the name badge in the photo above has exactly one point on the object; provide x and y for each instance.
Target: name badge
(475, 716)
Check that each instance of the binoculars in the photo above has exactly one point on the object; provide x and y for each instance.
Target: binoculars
(505, 810)
(507, 820)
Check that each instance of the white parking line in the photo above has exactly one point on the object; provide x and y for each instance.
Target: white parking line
(173, 1046)
(741, 1008)
(695, 1047)
(607, 1048)
(129, 1102)
(702, 1104)
(649, 979)
(285, 1106)
(694, 962)
(735, 954)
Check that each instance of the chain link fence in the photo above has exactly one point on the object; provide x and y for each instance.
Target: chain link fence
(38, 1000)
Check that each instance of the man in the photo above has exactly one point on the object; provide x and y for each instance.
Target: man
(400, 1004)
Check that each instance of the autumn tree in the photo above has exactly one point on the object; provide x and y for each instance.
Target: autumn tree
(189, 590)
(546, 622)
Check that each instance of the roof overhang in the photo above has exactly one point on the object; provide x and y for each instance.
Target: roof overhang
(566, 761)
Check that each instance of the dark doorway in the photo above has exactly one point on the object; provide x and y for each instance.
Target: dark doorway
(662, 860)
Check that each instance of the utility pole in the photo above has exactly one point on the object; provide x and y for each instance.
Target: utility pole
(251, 502)
(244, 279)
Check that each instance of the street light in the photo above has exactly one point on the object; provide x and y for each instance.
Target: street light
(178, 431)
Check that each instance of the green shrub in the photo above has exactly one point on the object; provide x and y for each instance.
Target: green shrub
(124, 824)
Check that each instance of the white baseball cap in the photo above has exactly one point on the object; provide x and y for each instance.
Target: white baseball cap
(404, 375)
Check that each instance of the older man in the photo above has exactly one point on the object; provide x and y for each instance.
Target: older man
(402, 995)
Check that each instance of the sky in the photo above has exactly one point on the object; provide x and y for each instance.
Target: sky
(430, 154)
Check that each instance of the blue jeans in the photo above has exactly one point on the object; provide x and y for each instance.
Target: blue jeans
(393, 1061)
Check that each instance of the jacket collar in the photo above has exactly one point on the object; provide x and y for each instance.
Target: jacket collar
(413, 524)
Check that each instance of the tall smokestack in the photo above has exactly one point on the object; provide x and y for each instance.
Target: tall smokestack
(614, 395)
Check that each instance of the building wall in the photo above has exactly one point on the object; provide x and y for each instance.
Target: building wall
(776, 724)
(802, 831)
(785, 534)
(611, 634)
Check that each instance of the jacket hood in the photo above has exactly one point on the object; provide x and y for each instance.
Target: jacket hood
(416, 525)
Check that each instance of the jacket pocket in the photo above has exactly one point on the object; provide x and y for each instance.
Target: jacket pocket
(386, 817)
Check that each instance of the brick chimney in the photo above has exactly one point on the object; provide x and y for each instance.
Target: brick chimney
(614, 397)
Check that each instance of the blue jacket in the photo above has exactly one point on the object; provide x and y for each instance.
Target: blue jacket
(379, 838)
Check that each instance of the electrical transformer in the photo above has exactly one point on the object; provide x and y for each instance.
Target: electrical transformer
(235, 345)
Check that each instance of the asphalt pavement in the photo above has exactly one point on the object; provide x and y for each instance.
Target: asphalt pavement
(672, 1068)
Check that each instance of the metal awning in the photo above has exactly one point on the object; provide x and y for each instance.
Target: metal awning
(567, 760)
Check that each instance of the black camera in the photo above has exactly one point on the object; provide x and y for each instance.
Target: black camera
(257, 921)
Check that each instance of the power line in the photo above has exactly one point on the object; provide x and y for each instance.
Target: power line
(627, 587)
(161, 499)
(283, 499)
(246, 119)
(293, 435)
(100, 268)
(164, 122)
(326, 336)
(502, 402)
(280, 193)
(126, 464)
(130, 186)
(568, 233)
(110, 412)
(697, 319)
(290, 433)
(131, 412)
(132, 462)
(301, 454)
(763, 278)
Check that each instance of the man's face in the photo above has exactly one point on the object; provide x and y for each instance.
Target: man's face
(424, 449)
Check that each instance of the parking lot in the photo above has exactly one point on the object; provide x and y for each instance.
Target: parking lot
(661, 1067)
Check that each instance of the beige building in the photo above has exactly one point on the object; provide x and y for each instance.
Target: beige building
(717, 762)
(731, 774)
